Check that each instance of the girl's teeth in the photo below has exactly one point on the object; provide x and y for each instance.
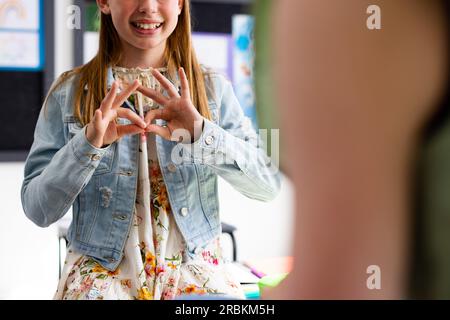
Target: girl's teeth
(148, 26)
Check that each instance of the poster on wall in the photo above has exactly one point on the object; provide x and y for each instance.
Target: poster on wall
(21, 35)
(243, 64)
(215, 51)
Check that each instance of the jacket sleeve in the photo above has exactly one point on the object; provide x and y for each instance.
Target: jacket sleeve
(55, 172)
(234, 150)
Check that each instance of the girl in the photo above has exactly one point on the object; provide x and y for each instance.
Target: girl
(144, 193)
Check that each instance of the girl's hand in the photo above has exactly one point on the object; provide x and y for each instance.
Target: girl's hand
(178, 111)
(103, 129)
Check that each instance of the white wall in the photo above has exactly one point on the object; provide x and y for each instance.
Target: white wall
(29, 254)
(263, 228)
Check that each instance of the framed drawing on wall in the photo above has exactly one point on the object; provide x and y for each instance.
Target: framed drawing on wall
(21, 35)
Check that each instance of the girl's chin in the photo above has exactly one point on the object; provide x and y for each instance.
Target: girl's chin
(147, 45)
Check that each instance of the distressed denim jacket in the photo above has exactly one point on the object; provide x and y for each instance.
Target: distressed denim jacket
(64, 170)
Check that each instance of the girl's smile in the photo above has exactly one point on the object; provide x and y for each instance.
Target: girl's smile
(147, 27)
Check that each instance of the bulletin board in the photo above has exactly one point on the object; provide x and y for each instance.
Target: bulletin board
(21, 35)
(22, 73)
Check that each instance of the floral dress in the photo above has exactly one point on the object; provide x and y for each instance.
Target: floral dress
(155, 265)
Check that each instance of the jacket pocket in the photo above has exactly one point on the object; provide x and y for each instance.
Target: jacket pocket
(85, 211)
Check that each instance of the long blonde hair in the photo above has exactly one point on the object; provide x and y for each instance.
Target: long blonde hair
(179, 52)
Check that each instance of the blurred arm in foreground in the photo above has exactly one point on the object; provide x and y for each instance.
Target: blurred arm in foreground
(352, 102)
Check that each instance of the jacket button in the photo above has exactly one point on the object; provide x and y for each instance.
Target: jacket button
(111, 260)
(184, 212)
(209, 140)
(172, 168)
(95, 157)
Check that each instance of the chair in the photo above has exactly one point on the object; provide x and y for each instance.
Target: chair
(230, 229)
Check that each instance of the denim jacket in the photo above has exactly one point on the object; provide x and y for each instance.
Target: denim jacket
(63, 169)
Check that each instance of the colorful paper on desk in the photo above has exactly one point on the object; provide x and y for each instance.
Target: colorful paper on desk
(271, 281)
(251, 291)
(241, 273)
(271, 266)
